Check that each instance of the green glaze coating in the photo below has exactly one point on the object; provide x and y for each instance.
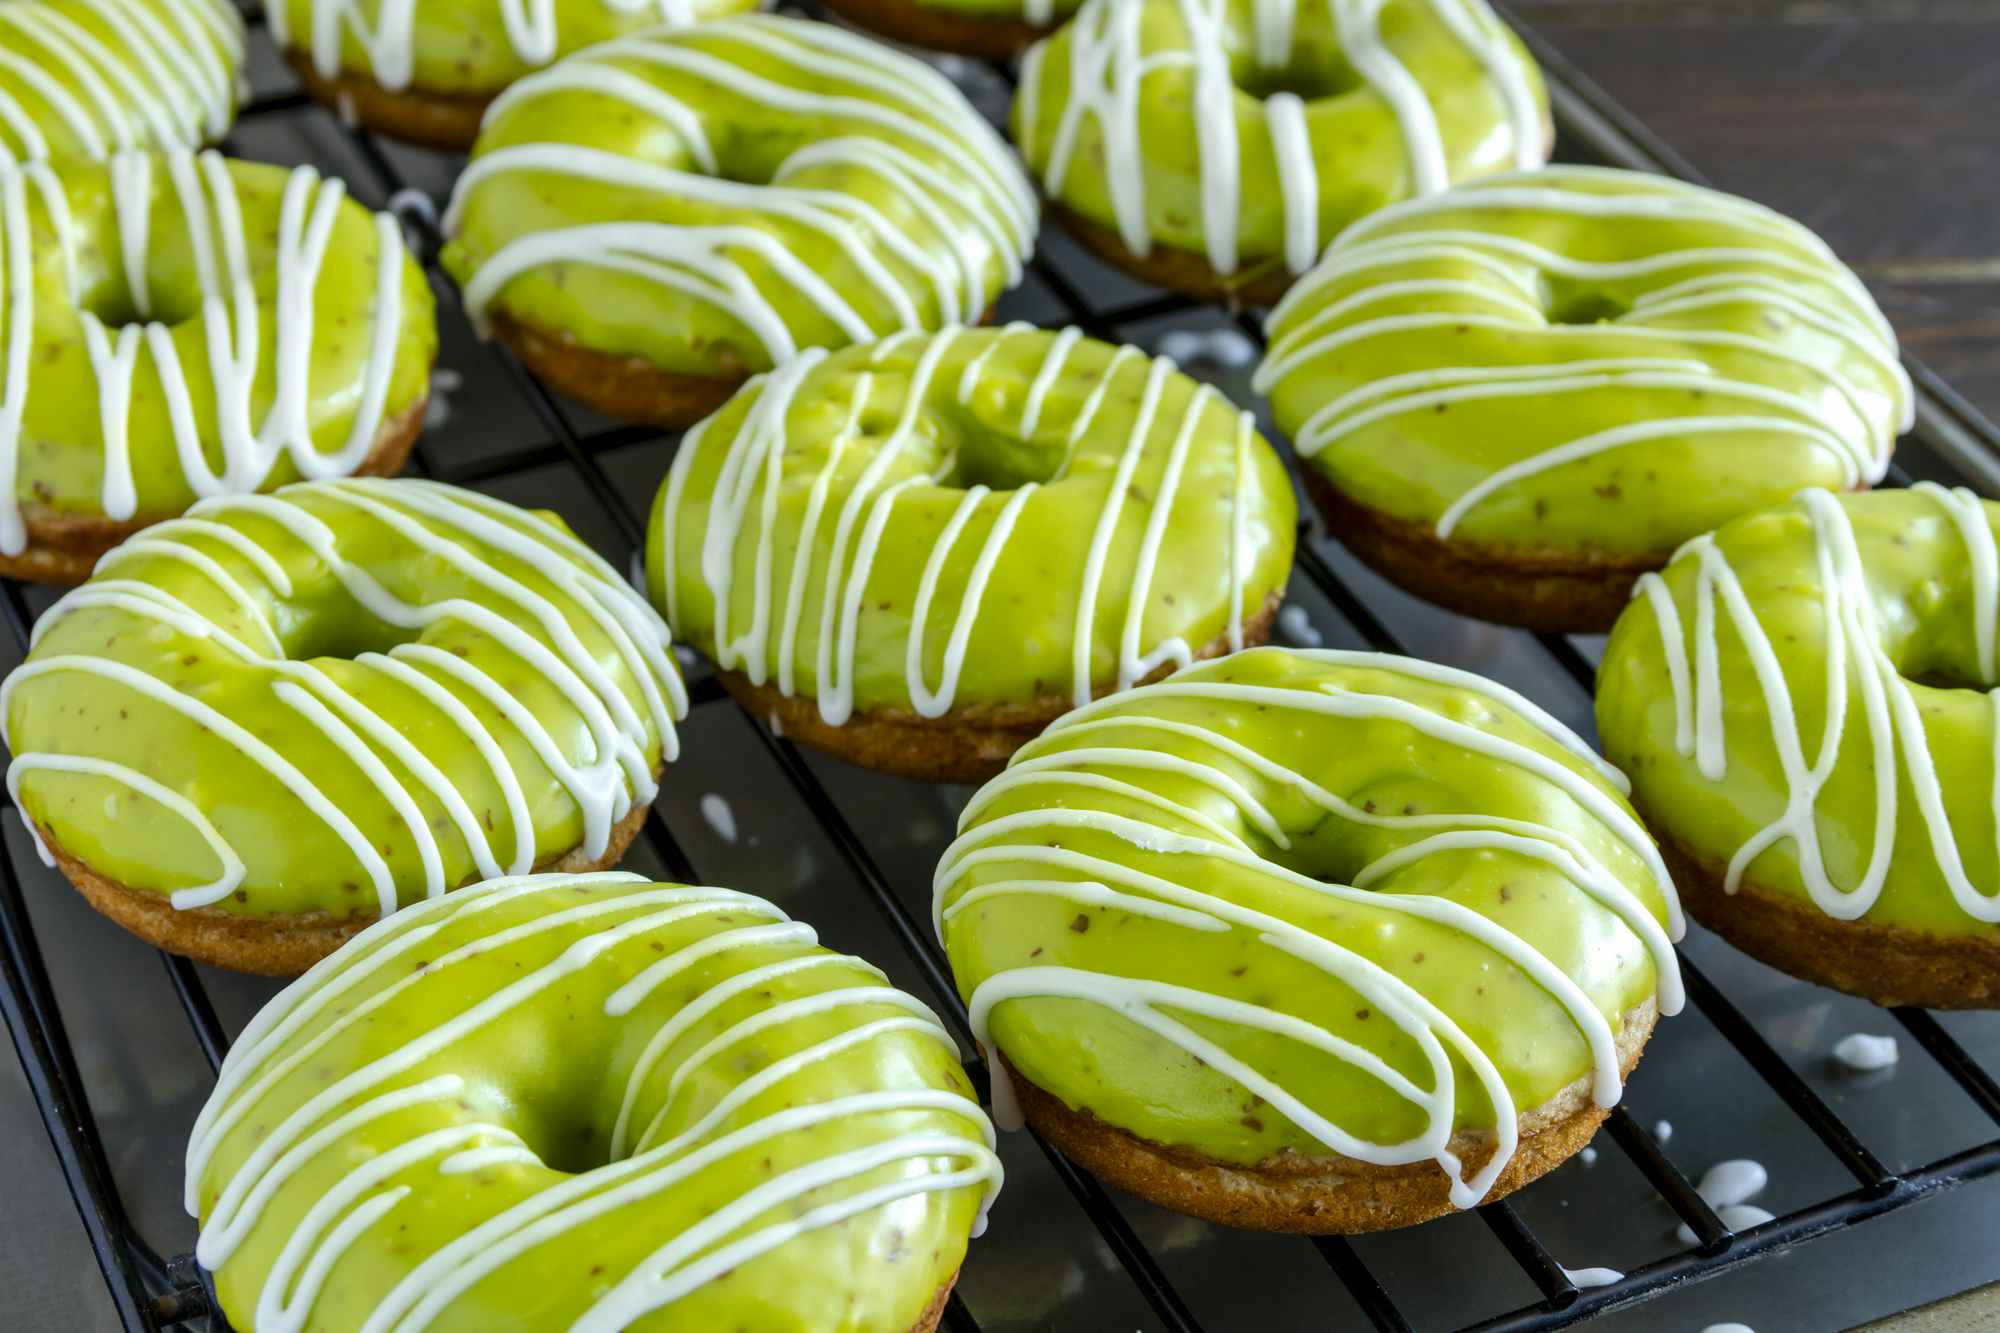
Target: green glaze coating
(1583, 360)
(83, 79)
(464, 48)
(1249, 132)
(1148, 913)
(339, 698)
(710, 1123)
(1829, 735)
(260, 327)
(968, 501)
(712, 199)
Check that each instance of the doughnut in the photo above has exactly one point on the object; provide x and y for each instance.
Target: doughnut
(259, 727)
(1315, 942)
(81, 80)
(1804, 699)
(178, 326)
(1516, 397)
(588, 1102)
(652, 222)
(917, 554)
(989, 29)
(1215, 148)
(426, 70)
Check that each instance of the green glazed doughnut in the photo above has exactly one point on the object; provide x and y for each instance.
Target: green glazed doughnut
(425, 70)
(1265, 941)
(1806, 701)
(590, 1103)
(916, 554)
(1215, 146)
(178, 326)
(83, 79)
(653, 221)
(262, 726)
(1515, 397)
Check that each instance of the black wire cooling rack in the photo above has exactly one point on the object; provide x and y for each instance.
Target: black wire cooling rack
(853, 851)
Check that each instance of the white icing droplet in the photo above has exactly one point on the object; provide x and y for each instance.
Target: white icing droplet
(1227, 347)
(437, 412)
(1735, 1181)
(1737, 1217)
(1297, 627)
(1663, 1130)
(1588, 1156)
(716, 810)
(682, 653)
(1865, 1053)
(1729, 1328)
(1593, 1277)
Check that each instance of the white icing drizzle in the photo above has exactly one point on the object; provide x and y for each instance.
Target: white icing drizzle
(1593, 1277)
(1855, 657)
(896, 121)
(1110, 64)
(162, 75)
(1735, 1216)
(745, 499)
(1031, 839)
(1774, 264)
(386, 40)
(455, 528)
(231, 315)
(1735, 1181)
(309, 1015)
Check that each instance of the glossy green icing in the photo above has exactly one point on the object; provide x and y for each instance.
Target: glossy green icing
(1393, 94)
(489, 594)
(948, 410)
(82, 80)
(1163, 781)
(1445, 340)
(63, 432)
(543, 1080)
(711, 199)
(1925, 588)
(468, 48)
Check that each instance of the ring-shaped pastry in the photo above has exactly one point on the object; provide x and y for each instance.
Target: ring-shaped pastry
(262, 726)
(1806, 700)
(654, 220)
(426, 70)
(192, 326)
(1216, 146)
(1516, 397)
(1310, 941)
(81, 80)
(915, 554)
(590, 1103)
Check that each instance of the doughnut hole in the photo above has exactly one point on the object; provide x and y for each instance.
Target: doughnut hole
(1569, 301)
(1316, 70)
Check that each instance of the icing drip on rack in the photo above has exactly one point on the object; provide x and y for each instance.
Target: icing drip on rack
(161, 74)
(1770, 262)
(902, 125)
(1032, 842)
(231, 312)
(1109, 66)
(458, 528)
(745, 503)
(1856, 663)
(599, 936)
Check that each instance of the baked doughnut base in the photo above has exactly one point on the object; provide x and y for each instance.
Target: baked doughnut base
(1176, 270)
(965, 745)
(941, 30)
(1891, 965)
(435, 120)
(1322, 1196)
(63, 547)
(1537, 588)
(933, 1313)
(269, 946)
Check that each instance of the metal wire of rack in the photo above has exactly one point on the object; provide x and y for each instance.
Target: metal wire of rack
(148, 1290)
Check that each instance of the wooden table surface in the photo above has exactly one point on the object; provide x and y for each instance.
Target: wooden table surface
(1875, 122)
